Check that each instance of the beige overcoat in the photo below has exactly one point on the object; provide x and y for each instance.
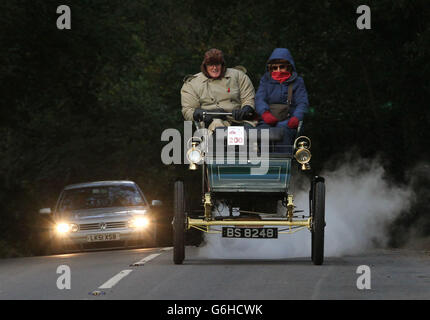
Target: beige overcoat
(233, 91)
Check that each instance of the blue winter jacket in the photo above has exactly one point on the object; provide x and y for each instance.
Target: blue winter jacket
(271, 91)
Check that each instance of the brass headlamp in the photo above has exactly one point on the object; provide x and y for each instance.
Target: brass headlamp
(302, 153)
(194, 155)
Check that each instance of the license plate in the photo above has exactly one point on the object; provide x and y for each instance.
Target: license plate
(251, 233)
(103, 237)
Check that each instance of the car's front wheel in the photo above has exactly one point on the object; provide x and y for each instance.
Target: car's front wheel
(318, 223)
(179, 223)
(56, 247)
(153, 238)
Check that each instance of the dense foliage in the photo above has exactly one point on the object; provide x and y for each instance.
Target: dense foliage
(90, 103)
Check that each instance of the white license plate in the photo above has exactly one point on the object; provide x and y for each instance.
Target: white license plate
(251, 233)
(103, 237)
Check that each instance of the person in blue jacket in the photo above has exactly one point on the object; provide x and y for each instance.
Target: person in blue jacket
(271, 99)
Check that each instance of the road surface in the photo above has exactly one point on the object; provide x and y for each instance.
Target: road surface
(151, 274)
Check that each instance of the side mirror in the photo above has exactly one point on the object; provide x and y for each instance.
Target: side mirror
(157, 203)
(45, 211)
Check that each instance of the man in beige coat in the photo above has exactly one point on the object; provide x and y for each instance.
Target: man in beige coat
(217, 88)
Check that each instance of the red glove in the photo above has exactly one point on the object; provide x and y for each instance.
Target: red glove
(269, 118)
(293, 123)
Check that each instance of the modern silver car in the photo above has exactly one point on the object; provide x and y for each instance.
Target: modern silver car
(102, 214)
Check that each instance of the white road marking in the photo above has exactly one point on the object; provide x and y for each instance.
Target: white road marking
(146, 259)
(115, 279)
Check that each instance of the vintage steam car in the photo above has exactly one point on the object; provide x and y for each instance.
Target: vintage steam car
(251, 180)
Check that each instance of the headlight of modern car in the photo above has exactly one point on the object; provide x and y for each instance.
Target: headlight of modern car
(63, 228)
(139, 222)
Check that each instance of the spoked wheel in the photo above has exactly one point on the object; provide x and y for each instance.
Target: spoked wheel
(318, 223)
(179, 223)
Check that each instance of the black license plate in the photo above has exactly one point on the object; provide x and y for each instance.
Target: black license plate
(250, 233)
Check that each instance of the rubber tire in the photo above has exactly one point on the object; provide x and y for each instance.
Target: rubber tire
(150, 241)
(154, 237)
(179, 223)
(56, 246)
(57, 249)
(318, 221)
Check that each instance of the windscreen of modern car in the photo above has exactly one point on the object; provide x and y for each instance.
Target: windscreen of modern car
(100, 197)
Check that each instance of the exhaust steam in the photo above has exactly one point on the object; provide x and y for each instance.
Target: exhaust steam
(360, 205)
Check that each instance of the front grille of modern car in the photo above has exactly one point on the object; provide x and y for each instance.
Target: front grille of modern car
(117, 224)
(109, 225)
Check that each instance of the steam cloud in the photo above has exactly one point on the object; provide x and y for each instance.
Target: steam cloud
(360, 204)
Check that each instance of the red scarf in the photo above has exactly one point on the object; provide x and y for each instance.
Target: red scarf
(280, 76)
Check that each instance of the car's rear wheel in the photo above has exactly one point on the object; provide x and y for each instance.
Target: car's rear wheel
(179, 223)
(318, 223)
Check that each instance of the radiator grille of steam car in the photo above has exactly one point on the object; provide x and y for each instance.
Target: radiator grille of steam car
(97, 226)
